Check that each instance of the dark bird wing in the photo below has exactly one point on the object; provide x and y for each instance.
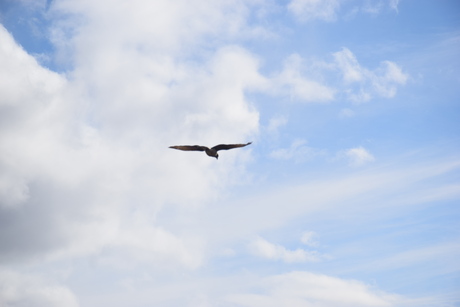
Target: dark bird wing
(189, 147)
(229, 146)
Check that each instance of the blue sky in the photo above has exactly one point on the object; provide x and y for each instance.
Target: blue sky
(348, 195)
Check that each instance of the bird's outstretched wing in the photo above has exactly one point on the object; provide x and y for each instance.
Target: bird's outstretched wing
(189, 147)
(229, 146)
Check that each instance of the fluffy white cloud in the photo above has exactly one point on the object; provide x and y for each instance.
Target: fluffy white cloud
(262, 248)
(85, 155)
(30, 98)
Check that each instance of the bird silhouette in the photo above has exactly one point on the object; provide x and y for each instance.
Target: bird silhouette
(212, 152)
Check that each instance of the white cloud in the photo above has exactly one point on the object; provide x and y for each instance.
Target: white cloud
(291, 82)
(349, 66)
(301, 288)
(358, 156)
(389, 78)
(362, 84)
(156, 27)
(359, 83)
(28, 91)
(25, 290)
(306, 10)
(87, 178)
(262, 248)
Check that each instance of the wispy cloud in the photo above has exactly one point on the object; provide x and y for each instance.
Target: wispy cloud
(310, 238)
(306, 10)
(344, 113)
(332, 10)
(358, 156)
(317, 81)
(427, 255)
(394, 4)
(265, 249)
(300, 288)
(328, 195)
(298, 151)
(362, 84)
(291, 82)
(276, 122)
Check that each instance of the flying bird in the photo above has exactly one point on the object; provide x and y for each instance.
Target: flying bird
(212, 152)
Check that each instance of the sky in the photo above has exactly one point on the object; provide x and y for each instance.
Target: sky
(348, 195)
